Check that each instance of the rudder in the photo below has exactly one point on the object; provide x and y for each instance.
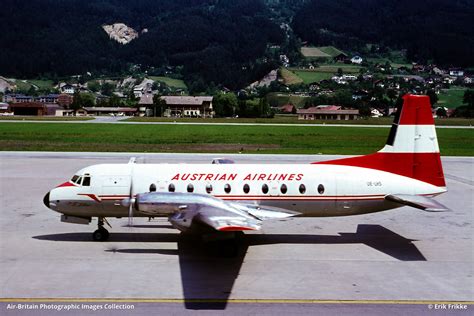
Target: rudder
(412, 148)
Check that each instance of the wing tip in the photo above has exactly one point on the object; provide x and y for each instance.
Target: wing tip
(235, 228)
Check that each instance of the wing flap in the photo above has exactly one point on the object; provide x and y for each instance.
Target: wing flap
(421, 202)
(227, 222)
(265, 212)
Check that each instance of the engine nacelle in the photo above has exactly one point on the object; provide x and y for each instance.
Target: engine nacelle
(158, 203)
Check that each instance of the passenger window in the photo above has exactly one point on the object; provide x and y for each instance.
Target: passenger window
(246, 188)
(209, 188)
(283, 189)
(190, 188)
(171, 187)
(265, 189)
(227, 188)
(87, 181)
(152, 187)
(302, 189)
(320, 189)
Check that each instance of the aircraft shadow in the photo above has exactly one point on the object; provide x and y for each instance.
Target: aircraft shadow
(151, 226)
(208, 277)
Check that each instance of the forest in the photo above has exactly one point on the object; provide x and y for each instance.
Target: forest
(225, 43)
(432, 31)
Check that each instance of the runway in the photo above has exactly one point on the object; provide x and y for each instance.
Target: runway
(399, 261)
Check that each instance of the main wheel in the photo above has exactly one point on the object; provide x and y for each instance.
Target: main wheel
(101, 234)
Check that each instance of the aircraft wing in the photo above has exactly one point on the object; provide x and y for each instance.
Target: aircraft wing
(190, 210)
(421, 202)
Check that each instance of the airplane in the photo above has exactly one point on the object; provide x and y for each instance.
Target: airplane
(226, 198)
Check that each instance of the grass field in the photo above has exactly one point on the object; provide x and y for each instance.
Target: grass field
(42, 84)
(322, 72)
(451, 98)
(289, 77)
(25, 85)
(310, 76)
(320, 52)
(293, 119)
(174, 83)
(333, 68)
(279, 99)
(217, 139)
(331, 50)
(314, 52)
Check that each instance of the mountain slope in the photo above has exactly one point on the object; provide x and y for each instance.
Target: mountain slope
(221, 42)
(431, 30)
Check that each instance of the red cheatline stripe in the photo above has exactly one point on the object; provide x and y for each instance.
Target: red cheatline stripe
(66, 184)
(92, 196)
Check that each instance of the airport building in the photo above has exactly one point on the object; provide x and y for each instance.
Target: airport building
(325, 112)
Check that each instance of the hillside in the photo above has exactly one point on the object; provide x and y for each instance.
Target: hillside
(430, 30)
(224, 43)
(211, 41)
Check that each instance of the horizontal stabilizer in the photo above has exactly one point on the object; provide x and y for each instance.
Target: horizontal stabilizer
(421, 202)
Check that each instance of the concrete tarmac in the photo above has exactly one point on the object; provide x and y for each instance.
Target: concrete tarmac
(401, 261)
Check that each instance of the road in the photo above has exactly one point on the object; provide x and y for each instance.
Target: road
(397, 262)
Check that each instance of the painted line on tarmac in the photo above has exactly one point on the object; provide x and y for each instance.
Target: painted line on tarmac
(230, 301)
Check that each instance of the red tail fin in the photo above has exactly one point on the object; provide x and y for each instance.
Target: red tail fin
(412, 147)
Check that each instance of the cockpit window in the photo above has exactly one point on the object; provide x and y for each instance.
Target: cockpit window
(82, 180)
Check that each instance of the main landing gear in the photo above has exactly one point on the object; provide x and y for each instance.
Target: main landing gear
(101, 234)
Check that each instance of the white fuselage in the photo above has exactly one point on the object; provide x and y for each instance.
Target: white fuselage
(311, 189)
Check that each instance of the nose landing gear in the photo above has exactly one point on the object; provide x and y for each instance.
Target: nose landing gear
(101, 234)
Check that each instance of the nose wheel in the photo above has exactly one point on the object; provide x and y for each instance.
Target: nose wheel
(101, 234)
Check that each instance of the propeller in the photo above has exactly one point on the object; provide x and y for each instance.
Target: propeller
(130, 207)
(128, 202)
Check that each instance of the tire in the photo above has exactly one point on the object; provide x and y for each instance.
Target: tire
(100, 235)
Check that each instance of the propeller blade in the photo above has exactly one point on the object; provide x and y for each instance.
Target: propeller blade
(130, 200)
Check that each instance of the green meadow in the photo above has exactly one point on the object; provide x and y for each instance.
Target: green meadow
(212, 138)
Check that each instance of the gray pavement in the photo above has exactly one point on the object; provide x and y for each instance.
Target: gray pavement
(380, 262)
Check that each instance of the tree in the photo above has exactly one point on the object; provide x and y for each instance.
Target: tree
(115, 100)
(441, 112)
(469, 98)
(159, 105)
(107, 89)
(433, 96)
(225, 104)
(132, 101)
(82, 100)
(31, 90)
(94, 86)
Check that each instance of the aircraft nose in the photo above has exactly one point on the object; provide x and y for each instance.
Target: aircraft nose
(46, 200)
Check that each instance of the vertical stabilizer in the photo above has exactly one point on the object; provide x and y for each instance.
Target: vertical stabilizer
(412, 146)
